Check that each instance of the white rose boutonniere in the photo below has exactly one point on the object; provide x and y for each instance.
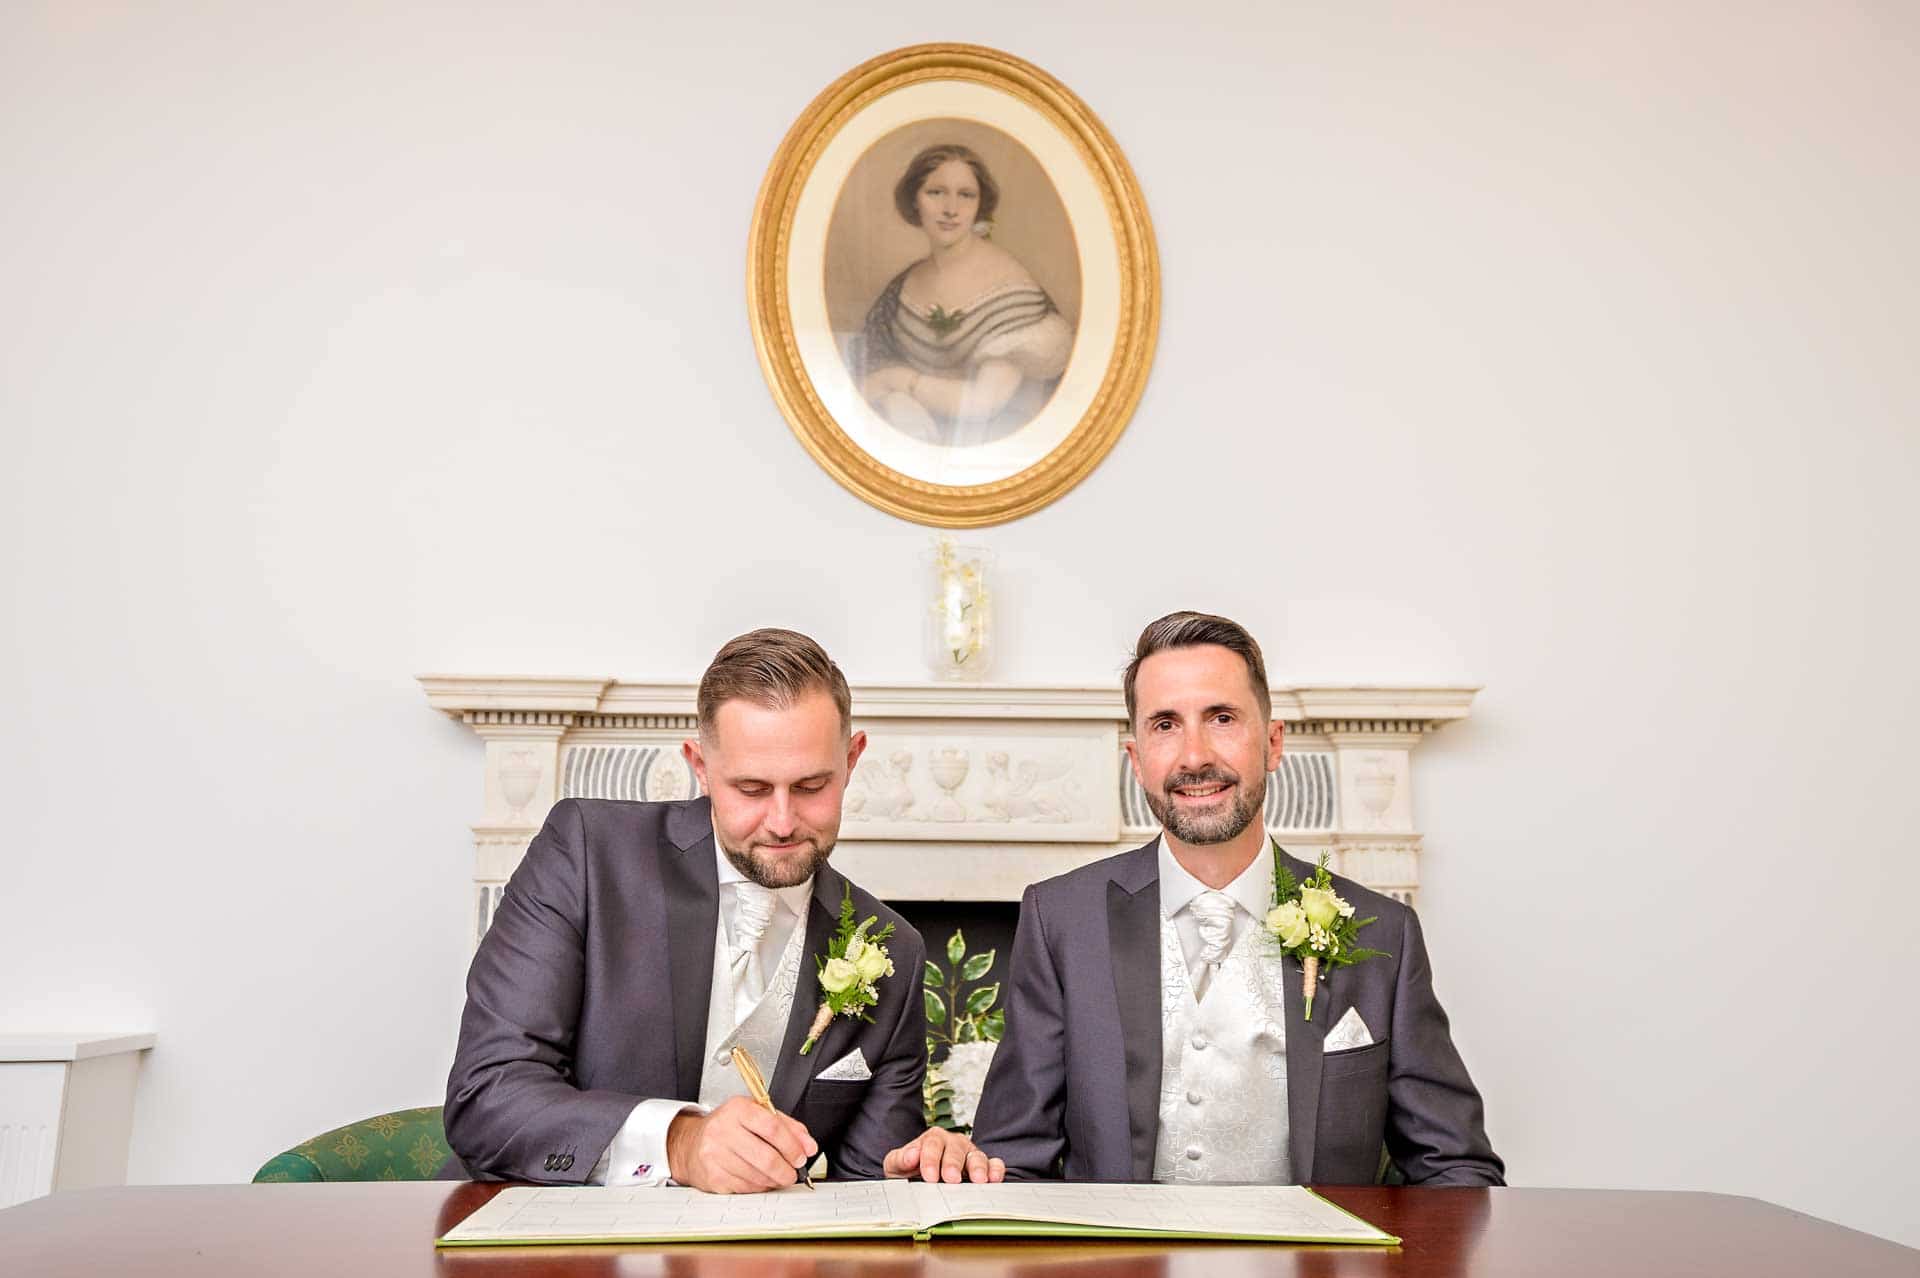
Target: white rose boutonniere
(1310, 922)
(854, 961)
(1288, 923)
(871, 963)
(837, 976)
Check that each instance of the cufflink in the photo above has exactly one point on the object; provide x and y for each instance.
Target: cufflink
(566, 1162)
(550, 1161)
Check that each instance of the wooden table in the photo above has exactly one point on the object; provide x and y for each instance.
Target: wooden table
(387, 1230)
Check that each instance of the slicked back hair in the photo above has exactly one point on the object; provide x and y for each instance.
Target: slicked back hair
(771, 668)
(1192, 630)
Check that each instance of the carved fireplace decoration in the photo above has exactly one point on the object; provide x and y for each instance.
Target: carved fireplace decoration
(967, 792)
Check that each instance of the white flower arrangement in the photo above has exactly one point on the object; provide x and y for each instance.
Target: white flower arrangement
(1313, 924)
(965, 1071)
(853, 964)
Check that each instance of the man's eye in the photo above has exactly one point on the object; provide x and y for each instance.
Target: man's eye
(813, 787)
(753, 791)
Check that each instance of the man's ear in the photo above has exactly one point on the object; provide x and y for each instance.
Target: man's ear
(856, 746)
(1133, 761)
(1276, 731)
(690, 751)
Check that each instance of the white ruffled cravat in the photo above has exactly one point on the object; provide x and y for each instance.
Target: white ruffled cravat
(753, 910)
(1213, 912)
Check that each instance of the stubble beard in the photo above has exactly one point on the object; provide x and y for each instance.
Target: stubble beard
(789, 870)
(1206, 829)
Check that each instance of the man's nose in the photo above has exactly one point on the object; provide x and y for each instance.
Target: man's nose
(780, 815)
(1196, 752)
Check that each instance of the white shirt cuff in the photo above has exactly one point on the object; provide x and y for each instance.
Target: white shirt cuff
(638, 1154)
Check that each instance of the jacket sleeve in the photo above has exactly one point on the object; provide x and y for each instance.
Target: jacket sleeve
(1436, 1132)
(1022, 1115)
(891, 1110)
(513, 1111)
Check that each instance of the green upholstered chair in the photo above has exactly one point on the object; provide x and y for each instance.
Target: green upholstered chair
(408, 1144)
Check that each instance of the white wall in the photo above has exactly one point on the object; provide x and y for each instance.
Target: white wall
(1565, 348)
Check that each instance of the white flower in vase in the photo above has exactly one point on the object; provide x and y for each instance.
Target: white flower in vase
(965, 1069)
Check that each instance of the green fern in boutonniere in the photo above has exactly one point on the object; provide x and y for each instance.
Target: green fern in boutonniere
(1312, 924)
(853, 962)
(943, 321)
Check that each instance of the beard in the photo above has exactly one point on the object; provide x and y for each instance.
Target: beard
(783, 872)
(1204, 828)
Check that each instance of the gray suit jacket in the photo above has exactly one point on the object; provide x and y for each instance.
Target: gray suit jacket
(1075, 1086)
(589, 994)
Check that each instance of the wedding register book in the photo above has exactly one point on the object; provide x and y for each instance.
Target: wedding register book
(901, 1208)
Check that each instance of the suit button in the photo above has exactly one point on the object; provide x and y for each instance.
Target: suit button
(1193, 1153)
(1193, 1098)
(566, 1162)
(1198, 1042)
(549, 1162)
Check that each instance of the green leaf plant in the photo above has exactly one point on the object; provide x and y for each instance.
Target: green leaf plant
(957, 1014)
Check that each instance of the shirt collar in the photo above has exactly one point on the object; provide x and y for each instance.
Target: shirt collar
(1251, 889)
(794, 898)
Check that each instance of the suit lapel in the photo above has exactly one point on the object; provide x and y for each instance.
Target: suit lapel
(1306, 1045)
(794, 1071)
(1133, 937)
(691, 882)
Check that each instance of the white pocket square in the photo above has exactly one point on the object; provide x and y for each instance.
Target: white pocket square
(1351, 1032)
(851, 1068)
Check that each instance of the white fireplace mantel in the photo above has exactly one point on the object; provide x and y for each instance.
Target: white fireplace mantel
(967, 791)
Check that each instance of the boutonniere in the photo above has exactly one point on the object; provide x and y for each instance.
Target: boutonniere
(853, 962)
(1314, 925)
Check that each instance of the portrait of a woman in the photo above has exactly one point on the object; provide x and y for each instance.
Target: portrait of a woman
(963, 345)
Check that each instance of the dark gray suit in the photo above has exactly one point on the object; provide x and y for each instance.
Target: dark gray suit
(1075, 1086)
(589, 994)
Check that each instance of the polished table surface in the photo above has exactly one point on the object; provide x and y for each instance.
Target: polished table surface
(380, 1229)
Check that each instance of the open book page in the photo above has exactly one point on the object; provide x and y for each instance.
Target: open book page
(853, 1209)
(670, 1213)
(1278, 1212)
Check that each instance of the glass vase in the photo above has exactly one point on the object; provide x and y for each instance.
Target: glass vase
(960, 616)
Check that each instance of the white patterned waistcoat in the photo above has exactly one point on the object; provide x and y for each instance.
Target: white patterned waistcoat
(1223, 1067)
(763, 1031)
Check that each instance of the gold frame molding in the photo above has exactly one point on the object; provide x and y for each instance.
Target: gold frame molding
(1128, 363)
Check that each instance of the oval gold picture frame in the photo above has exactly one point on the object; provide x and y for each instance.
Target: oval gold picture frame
(884, 108)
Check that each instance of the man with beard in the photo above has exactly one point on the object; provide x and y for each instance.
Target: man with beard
(1154, 1030)
(639, 943)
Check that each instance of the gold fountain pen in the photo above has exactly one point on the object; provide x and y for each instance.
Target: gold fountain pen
(757, 1088)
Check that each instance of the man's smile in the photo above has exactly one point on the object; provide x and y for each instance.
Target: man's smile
(1206, 791)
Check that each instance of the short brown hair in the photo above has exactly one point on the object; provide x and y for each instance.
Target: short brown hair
(771, 668)
(1191, 630)
(906, 192)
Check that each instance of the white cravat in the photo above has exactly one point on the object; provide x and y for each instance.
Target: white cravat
(1213, 913)
(1251, 891)
(753, 910)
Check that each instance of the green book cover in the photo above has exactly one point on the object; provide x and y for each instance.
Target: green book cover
(524, 1215)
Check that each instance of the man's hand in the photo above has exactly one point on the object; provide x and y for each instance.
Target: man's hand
(941, 1155)
(739, 1148)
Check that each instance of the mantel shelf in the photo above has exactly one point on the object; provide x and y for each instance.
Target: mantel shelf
(459, 695)
(967, 791)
